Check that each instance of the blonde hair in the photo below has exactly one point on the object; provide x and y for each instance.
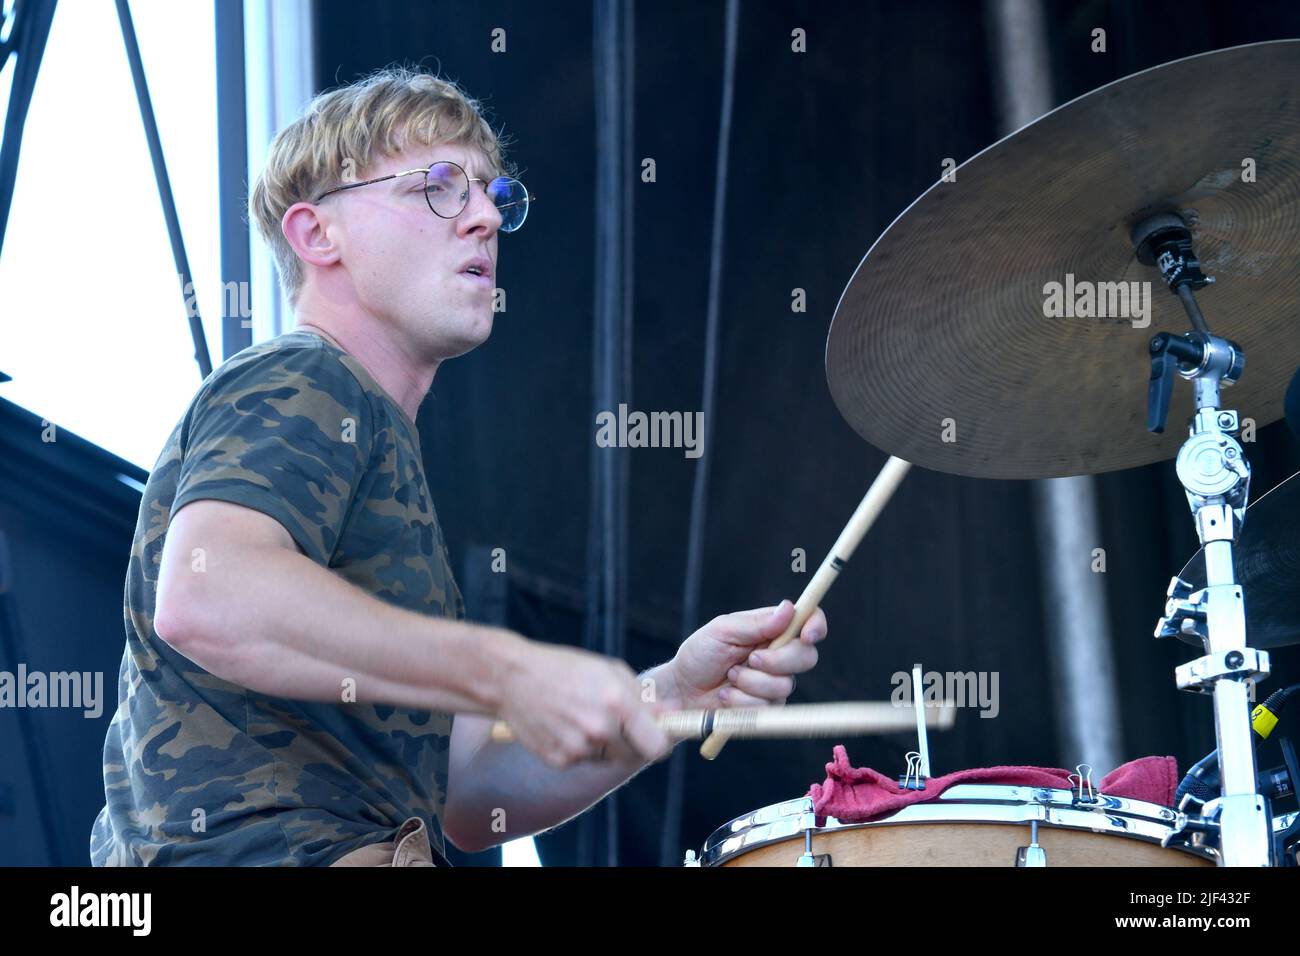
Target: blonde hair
(344, 130)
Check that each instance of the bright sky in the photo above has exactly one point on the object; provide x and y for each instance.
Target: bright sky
(94, 328)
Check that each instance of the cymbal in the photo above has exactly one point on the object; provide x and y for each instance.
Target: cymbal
(941, 351)
(1266, 559)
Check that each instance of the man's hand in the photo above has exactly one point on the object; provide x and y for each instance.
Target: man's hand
(568, 705)
(726, 663)
(565, 706)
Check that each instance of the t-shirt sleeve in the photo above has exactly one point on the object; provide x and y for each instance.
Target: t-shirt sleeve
(287, 433)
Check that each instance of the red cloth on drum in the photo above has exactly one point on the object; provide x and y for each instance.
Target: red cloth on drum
(853, 795)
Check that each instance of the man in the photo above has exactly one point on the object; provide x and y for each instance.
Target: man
(295, 650)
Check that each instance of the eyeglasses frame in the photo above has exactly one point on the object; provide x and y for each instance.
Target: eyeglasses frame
(530, 198)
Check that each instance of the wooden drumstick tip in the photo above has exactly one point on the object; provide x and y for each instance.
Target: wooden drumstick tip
(713, 745)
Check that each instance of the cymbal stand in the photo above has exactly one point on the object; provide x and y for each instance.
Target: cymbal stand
(1213, 470)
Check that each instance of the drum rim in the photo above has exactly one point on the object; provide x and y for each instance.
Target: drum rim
(1054, 808)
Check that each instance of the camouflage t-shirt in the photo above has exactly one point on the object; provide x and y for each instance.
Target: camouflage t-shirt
(198, 770)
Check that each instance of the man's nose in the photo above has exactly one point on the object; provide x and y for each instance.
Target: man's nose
(480, 213)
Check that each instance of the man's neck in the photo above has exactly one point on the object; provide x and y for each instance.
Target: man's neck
(390, 364)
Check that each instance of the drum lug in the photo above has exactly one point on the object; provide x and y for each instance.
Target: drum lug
(691, 859)
(808, 858)
(1032, 855)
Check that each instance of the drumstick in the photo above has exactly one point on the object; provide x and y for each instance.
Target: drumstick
(797, 720)
(873, 502)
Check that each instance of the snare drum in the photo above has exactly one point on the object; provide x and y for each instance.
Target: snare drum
(968, 825)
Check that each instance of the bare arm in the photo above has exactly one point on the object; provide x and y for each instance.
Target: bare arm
(262, 615)
(498, 792)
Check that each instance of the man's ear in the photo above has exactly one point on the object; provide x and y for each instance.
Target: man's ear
(304, 227)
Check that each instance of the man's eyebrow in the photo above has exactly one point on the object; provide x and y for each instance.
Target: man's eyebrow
(480, 174)
(486, 177)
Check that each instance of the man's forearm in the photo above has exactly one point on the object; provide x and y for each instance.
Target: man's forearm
(274, 621)
(503, 792)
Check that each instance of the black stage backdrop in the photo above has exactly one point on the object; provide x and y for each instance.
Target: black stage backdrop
(828, 146)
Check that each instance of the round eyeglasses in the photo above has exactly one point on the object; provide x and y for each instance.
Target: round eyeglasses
(446, 190)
